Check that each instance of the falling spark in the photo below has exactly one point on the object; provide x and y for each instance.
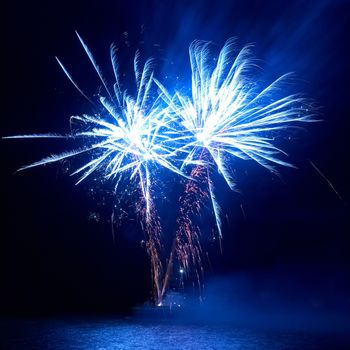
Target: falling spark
(112, 227)
(326, 179)
(243, 211)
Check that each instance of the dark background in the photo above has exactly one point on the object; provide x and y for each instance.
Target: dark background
(292, 245)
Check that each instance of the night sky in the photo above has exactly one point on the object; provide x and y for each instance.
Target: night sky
(286, 237)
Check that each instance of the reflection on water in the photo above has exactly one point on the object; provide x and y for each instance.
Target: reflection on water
(131, 334)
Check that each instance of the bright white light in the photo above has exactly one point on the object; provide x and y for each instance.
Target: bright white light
(203, 138)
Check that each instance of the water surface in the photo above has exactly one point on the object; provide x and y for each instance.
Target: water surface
(129, 333)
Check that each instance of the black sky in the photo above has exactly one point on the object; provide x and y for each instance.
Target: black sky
(55, 257)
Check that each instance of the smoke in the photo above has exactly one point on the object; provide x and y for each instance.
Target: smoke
(294, 298)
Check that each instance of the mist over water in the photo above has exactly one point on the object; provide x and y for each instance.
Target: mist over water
(290, 298)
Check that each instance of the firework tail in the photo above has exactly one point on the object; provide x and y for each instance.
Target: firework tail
(186, 245)
(151, 226)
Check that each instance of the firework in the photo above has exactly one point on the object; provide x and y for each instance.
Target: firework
(227, 115)
(127, 137)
